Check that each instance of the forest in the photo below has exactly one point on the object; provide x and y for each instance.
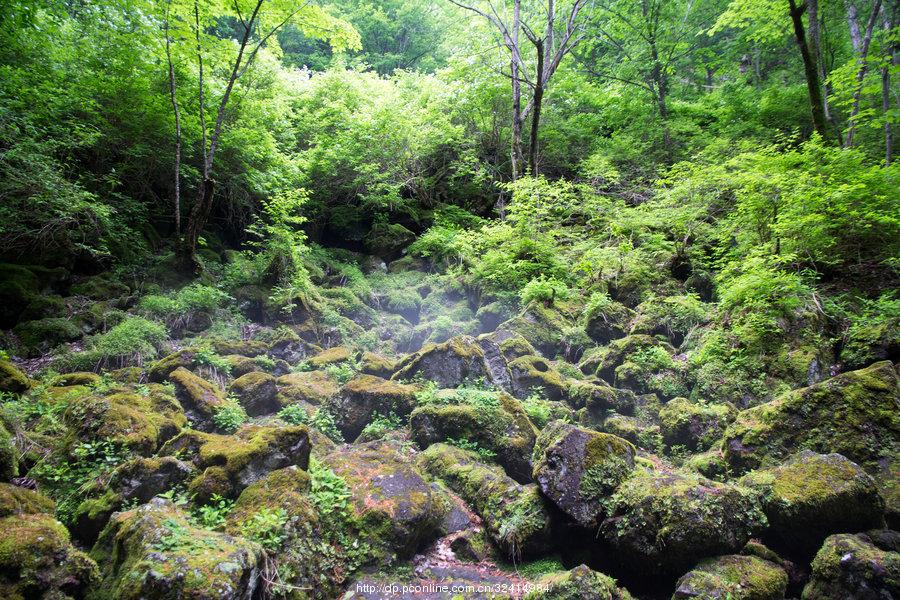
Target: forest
(449, 299)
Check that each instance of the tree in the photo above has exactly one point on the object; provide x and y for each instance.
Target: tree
(256, 22)
(550, 48)
(862, 48)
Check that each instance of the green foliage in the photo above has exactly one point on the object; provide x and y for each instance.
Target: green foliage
(294, 414)
(131, 342)
(380, 425)
(266, 527)
(538, 409)
(544, 290)
(322, 420)
(212, 515)
(485, 454)
(229, 417)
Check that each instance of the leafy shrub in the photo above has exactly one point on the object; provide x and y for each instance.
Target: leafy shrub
(485, 454)
(130, 342)
(212, 515)
(229, 417)
(544, 289)
(294, 414)
(381, 425)
(538, 410)
(266, 527)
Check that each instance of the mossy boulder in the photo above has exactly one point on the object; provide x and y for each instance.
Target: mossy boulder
(364, 396)
(140, 479)
(494, 420)
(711, 464)
(228, 464)
(249, 348)
(533, 373)
(12, 379)
(310, 387)
(137, 422)
(694, 425)
(282, 489)
(733, 577)
(14, 297)
(257, 393)
(617, 352)
(609, 322)
(154, 553)
(372, 363)
(664, 523)
(598, 398)
(199, 398)
(85, 378)
(38, 337)
(544, 327)
(100, 287)
(580, 583)
(814, 495)
(516, 516)
(862, 567)
(499, 348)
(579, 469)
(331, 356)
(15, 500)
(44, 306)
(160, 370)
(856, 414)
(397, 511)
(449, 364)
(9, 455)
(37, 560)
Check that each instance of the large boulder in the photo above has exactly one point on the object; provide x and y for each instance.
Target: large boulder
(812, 495)
(160, 370)
(229, 463)
(516, 516)
(307, 387)
(579, 469)
(530, 374)
(663, 523)
(154, 553)
(9, 456)
(607, 321)
(544, 327)
(15, 500)
(862, 567)
(199, 398)
(616, 354)
(694, 425)
(495, 421)
(733, 577)
(398, 510)
(856, 414)
(37, 560)
(12, 380)
(364, 396)
(257, 393)
(449, 364)
(581, 583)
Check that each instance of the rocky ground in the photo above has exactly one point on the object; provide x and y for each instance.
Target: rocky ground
(413, 441)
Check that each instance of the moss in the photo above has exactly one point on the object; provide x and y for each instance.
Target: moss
(15, 500)
(533, 372)
(37, 337)
(376, 364)
(711, 464)
(666, 522)
(311, 387)
(364, 396)
(37, 559)
(256, 392)
(813, 495)
(9, 456)
(331, 356)
(581, 583)
(852, 566)
(693, 425)
(12, 379)
(448, 364)
(515, 516)
(199, 397)
(100, 287)
(285, 489)
(854, 414)
(249, 348)
(733, 576)
(153, 552)
(160, 370)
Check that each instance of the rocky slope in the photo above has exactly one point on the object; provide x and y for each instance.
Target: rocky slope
(411, 441)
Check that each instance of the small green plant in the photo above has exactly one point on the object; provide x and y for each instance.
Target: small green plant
(212, 515)
(484, 453)
(538, 409)
(229, 417)
(381, 425)
(544, 289)
(264, 362)
(324, 421)
(266, 527)
(342, 373)
(294, 414)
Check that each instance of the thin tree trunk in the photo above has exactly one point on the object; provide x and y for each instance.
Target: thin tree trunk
(536, 116)
(892, 59)
(861, 73)
(173, 94)
(811, 71)
(815, 48)
(516, 141)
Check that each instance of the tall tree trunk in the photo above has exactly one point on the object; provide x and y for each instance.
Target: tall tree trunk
(892, 60)
(861, 73)
(536, 115)
(516, 142)
(811, 70)
(815, 48)
(173, 89)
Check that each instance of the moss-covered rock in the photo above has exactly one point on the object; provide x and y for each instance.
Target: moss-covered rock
(533, 373)
(607, 322)
(228, 464)
(257, 393)
(12, 380)
(241, 365)
(578, 469)
(581, 583)
(364, 396)
(694, 425)
(153, 553)
(309, 387)
(711, 464)
(397, 510)
(449, 364)
(198, 397)
(814, 495)
(372, 363)
(856, 414)
(282, 489)
(494, 420)
(331, 356)
(598, 398)
(544, 328)
(85, 378)
(160, 370)
(249, 348)
(862, 567)
(100, 287)
(9, 455)
(136, 422)
(14, 297)
(515, 516)
(616, 353)
(44, 306)
(37, 560)
(15, 500)
(733, 577)
(664, 523)
(42, 335)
